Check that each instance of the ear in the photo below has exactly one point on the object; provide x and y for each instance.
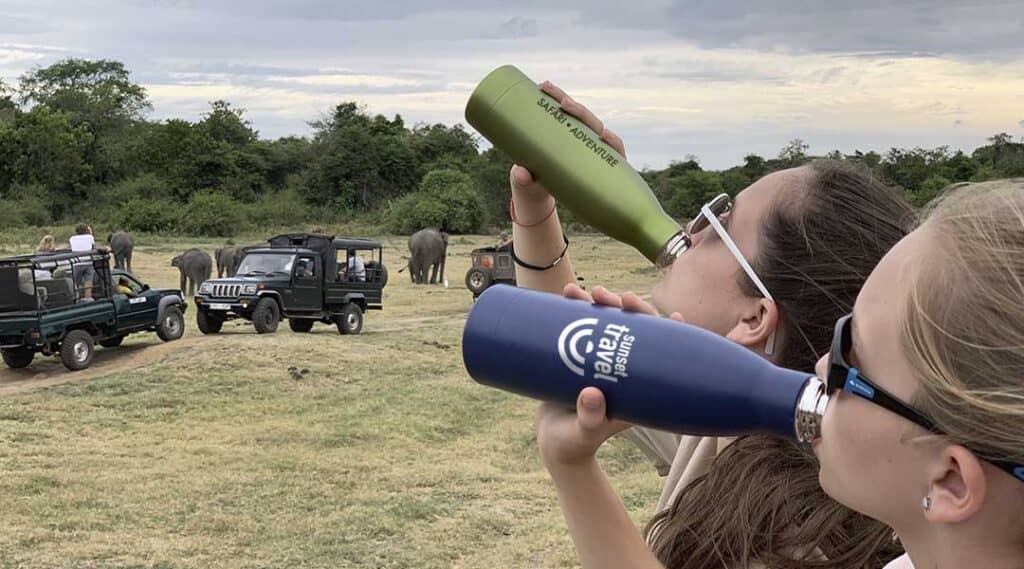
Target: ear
(957, 486)
(756, 322)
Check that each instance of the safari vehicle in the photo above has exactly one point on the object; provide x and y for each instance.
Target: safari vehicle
(302, 277)
(491, 265)
(45, 308)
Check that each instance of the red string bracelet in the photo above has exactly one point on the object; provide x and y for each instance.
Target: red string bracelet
(512, 214)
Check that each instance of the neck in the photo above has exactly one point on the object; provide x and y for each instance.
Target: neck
(949, 547)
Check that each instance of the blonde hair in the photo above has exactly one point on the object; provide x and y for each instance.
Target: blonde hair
(47, 243)
(963, 324)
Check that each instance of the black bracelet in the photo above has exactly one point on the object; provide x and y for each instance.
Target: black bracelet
(525, 265)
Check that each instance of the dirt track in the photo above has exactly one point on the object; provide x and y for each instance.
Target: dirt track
(46, 372)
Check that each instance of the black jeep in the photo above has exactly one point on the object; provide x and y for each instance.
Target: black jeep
(63, 303)
(304, 277)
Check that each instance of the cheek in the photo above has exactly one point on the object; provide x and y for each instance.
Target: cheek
(862, 460)
(701, 287)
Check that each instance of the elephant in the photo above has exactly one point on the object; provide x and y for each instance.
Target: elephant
(195, 266)
(121, 245)
(228, 259)
(428, 250)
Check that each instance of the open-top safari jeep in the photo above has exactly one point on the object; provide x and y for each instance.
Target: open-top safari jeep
(63, 303)
(491, 265)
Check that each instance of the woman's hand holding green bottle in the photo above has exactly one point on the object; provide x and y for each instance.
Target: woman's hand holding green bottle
(532, 200)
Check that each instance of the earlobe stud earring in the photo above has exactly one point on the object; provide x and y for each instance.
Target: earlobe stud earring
(926, 502)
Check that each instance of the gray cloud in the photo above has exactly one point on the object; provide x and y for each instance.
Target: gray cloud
(985, 28)
(288, 60)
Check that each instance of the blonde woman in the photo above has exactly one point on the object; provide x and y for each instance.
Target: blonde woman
(925, 427)
(47, 244)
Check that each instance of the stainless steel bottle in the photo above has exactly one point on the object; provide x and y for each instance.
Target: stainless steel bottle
(573, 163)
(653, 371)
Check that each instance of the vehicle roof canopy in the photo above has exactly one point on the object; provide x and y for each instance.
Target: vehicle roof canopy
(61, 255)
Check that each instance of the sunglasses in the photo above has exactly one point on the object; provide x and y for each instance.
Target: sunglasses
(843, 377)
(710, 215)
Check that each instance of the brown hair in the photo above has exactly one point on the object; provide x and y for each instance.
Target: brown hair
(81, 229)
(760, 500)
(963, 323)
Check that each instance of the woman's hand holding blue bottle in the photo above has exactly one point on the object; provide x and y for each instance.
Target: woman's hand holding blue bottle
(568, 438)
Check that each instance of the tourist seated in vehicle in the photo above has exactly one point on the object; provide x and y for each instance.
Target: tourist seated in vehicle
(125, 288)
(355, 269)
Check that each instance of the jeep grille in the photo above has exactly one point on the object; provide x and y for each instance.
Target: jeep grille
(226, 290)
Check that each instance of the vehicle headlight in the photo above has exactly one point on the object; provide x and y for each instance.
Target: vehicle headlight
(249, 289)
(205, 288)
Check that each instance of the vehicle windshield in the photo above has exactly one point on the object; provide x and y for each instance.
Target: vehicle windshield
(257, 264)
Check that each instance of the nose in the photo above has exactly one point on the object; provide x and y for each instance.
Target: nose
(821, 368)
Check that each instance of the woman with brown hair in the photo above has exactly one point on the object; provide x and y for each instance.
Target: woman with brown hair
(770, 270)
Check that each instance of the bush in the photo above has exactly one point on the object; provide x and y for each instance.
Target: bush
(931, 187)
(447, 199)
(25, 205)
(147, 215)
(212, 214)
(284, 208)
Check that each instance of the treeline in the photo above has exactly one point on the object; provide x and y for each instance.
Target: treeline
(75, 145)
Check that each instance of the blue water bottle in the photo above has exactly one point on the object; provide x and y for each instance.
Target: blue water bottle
(653, 371)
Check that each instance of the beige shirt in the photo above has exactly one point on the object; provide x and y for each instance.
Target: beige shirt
(680, 458)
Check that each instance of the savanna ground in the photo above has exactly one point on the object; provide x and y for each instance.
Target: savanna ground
(206, 453)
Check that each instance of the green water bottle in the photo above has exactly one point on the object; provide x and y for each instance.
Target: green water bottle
(573, 163)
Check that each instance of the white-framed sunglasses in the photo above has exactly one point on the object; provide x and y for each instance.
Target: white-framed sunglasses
(709, 215)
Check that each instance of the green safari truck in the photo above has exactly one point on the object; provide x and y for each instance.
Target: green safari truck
(63, 303)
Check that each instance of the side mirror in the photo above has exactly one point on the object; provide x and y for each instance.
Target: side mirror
(145, 287)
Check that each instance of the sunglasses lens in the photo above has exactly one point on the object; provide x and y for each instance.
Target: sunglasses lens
(718, 206)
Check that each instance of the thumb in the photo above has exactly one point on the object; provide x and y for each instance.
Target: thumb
(677, 317)
(590, 408)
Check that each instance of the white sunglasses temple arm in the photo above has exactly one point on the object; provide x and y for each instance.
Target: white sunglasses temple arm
(724, 235)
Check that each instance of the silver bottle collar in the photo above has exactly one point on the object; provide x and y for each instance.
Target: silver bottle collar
(676, 245)
(810, 409)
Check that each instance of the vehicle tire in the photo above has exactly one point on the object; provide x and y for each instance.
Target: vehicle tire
(17, 358)
(172, 325)
(266, 316)
(76, 350)
(478, 279)
(208, 323)
(300, 325)
(112, 342)
(378, 269)
(350, 321)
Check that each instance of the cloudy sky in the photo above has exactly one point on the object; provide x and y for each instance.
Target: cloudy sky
(717, 79)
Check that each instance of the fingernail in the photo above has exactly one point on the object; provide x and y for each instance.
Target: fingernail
(591, 402)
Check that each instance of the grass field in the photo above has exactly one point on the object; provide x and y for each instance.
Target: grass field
(205, 453)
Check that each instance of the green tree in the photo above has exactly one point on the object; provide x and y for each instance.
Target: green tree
(447, 199)
(794, 153)
(441, 146)
(358, 161)
(45, 148)
(930, 188)
(98, 94)
(693, 190)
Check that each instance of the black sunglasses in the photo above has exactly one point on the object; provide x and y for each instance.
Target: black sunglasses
(843, 377)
